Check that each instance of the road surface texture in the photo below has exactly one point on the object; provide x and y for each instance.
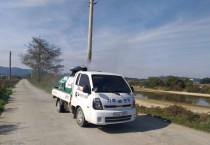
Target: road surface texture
(31, 118)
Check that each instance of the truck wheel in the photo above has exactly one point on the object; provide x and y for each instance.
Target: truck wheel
(60, 107)
(80, 117)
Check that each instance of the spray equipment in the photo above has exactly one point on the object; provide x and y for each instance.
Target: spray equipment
(75, 69)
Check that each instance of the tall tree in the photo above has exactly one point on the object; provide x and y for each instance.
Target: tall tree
(42, 57)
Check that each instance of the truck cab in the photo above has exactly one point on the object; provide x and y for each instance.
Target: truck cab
(102, 98)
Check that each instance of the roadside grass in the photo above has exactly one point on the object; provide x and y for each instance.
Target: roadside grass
(6, 91)
(40, 85)
(179, 115)
(4, 96)
(47, 82)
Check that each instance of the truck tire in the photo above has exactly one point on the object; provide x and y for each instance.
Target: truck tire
(60, 106)
(80, 118)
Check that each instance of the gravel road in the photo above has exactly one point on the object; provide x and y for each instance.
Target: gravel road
(31, 118)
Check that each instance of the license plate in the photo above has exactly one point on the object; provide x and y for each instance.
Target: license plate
(118, 114)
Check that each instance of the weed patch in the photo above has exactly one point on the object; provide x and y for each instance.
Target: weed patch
(179, 115)
(6, 91)
(47, 82)
(4, 96)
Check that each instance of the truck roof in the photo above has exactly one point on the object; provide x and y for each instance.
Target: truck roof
(98, 73)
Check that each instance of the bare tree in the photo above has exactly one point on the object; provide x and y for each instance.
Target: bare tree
(42, 57)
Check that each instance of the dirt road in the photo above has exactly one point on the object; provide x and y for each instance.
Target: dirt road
(31, 119)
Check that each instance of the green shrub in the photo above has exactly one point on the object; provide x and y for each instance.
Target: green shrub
(4, 96)
(6, 91)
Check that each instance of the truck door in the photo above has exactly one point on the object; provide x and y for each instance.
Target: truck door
(82, 97)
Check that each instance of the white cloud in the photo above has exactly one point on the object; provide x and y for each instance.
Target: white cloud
(176, 48)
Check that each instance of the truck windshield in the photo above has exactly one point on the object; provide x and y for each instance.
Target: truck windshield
(110, 83)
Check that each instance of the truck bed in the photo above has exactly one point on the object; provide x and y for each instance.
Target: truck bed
(61, 94)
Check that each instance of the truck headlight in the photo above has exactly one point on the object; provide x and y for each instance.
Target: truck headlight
(97, 105)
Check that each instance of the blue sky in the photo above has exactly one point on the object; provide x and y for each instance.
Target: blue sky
(135, 38)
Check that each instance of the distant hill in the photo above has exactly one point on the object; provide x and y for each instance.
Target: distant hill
(4, 71)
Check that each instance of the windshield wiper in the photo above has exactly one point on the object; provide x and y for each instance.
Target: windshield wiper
(117, 93)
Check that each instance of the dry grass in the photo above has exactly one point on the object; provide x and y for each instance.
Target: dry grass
(179, 115)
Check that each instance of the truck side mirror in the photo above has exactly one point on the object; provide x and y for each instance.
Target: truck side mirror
(86, 89)
(132, 89)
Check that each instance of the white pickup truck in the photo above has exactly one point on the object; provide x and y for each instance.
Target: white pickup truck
(96, 97)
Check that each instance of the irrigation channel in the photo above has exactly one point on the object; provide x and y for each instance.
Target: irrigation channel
(193, 100)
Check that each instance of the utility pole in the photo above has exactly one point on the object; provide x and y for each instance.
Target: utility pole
(89, 51)
(10, 70)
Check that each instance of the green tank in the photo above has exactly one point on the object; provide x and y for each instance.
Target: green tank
(69, 79)
(62, 85)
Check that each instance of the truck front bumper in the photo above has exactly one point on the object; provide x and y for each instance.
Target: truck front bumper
(104, 117)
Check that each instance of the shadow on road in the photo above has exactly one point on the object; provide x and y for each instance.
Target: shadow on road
(142, 123)
(8, 128)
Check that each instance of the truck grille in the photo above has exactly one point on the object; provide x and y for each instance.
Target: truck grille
(117, 119)
(116, 106)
